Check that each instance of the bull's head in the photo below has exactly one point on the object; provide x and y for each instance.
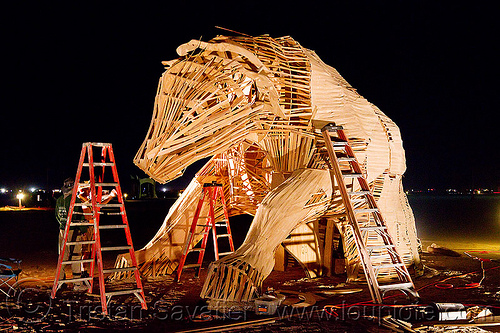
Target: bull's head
(207, 101)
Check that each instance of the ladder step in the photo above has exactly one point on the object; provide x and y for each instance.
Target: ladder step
(110, 213)
(365, 210)
(106, 184)
(224, 253)
(333, 128)
(118, 270)
(75, 280)
(379, 247)
(97, 144)
(352, 175)
(82, 213)
(68, 262)
(122, 292)
(346, 159)
(396, 286)
(223, 235)
(358, 193)
(388, 266)
(116, 248)
(202, 233)
(112, 226)
(83, 204)
(82, 224)
(196, 249)
(99, 164)
(115, 205)
(191, 266)
(374, 227)
(81, 242)
(221, 224)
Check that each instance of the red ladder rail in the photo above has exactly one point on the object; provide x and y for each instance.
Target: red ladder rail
(97, 183)
(212, 192)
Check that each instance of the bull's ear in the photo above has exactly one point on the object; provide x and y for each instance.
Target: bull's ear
(169, 63)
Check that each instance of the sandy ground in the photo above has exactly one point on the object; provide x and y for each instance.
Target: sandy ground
(176, 306)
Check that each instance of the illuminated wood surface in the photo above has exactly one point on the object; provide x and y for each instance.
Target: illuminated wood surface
(256, 107)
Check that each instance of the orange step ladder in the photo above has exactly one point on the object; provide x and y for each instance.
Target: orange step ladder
(98, 205)
(213, 193)
(365, 219)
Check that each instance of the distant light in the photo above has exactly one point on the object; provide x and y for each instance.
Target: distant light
(125, 195)
(164, 189)
(3, 190)
(33, 189)
(20, 197)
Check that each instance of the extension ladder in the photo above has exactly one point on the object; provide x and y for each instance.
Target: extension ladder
(214, 194)
(92, 210)
(365, 219)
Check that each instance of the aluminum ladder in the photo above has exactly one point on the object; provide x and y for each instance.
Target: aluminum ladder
(98, 205)
(365, 219)
(214, 194)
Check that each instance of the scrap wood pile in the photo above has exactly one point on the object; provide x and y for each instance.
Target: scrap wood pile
(256, 106)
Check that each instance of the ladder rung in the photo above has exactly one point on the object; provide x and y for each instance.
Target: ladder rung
(358, 193)
(365, 210)
(81, 204)
(75, 280)
(82, 213)
(201, 233)
(117, 270)
(346, 159)
(196, 249)
(81, 242)
(221, 224)
(110, 213)
(106, 184)
(112, 226)
(68, 262)
(374, 227)
(396, 286)
(97, 144)
(191, 266)
(333, 128)
(224, 253)
(379, 247)
(388, 266)
(116, 248)
(122, 292)
(82, 224)
(99, 164)
(117, 205)
(352, 175)
(223, 235)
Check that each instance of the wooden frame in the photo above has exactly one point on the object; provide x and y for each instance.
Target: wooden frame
(256, 106)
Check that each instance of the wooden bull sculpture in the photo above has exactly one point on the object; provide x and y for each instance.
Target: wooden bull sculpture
(256, 107)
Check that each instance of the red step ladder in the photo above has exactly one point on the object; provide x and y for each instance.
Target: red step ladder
(213, 193)
(365, 219)
(98, 205)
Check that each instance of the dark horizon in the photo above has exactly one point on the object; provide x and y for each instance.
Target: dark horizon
(74, 74)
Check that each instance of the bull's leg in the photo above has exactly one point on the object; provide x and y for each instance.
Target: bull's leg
(237, 278)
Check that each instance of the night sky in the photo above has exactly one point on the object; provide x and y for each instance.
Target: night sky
(78, 73)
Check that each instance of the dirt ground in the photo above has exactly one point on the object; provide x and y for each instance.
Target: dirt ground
(176, 306)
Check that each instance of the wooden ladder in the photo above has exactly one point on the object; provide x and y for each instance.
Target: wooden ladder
(213, 193)
(98, 205)
(365, 219)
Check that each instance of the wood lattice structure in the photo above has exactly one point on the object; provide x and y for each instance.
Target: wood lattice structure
(256, 106)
